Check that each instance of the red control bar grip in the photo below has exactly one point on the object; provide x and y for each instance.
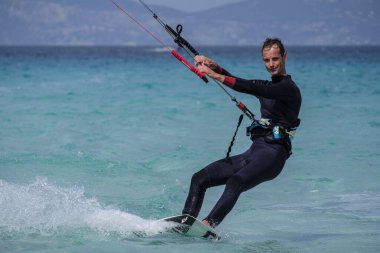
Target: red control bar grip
(189, 66)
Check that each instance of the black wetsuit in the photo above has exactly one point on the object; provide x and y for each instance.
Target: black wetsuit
(280, 101)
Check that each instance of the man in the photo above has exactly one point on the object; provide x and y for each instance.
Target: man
(280, 101)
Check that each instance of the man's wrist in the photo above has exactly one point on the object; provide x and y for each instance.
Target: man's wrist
(229, 81)
(219, 77)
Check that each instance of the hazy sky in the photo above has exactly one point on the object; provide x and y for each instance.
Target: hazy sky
(191, 5)
(98, 22)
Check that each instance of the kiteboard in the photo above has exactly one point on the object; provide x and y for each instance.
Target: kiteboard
(188, 225)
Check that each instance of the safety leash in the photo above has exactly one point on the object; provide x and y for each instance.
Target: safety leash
(233, 138)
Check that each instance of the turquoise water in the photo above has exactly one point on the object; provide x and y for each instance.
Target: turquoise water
(96, 143)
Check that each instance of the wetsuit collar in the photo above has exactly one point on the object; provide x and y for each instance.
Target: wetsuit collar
(279, 78)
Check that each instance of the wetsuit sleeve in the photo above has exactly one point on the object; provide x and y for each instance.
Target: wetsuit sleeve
(282, 90)
(220, 70)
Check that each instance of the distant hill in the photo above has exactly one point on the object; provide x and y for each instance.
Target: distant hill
(98, 22)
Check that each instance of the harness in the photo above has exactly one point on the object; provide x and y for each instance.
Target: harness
(272, 132)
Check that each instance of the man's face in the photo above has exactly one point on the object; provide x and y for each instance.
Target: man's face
(273, 61)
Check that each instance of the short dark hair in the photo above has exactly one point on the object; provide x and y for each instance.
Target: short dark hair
(269, 42)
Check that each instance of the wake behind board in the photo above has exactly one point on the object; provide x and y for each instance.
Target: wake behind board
(188, 225)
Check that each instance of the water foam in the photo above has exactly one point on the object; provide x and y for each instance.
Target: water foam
(44, 207)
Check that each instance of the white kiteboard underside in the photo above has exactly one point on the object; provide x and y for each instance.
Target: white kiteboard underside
(188, 225)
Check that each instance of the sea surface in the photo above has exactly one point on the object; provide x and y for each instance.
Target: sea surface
(99, 142)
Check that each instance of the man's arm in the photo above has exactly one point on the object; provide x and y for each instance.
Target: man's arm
(280, 90)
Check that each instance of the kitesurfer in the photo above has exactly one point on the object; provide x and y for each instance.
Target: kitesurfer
(280, 101)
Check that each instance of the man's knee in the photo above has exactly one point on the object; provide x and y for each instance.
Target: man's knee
(199, 179)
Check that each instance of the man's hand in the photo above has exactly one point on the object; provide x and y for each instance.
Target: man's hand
(208, 67)
(203, 60)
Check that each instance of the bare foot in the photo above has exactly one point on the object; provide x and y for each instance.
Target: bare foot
(205, 222)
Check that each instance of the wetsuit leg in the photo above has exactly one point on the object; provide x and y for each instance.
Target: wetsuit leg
(216, 173)
(264, 162)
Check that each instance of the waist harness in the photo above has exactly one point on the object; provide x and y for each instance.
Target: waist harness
(272, 133)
